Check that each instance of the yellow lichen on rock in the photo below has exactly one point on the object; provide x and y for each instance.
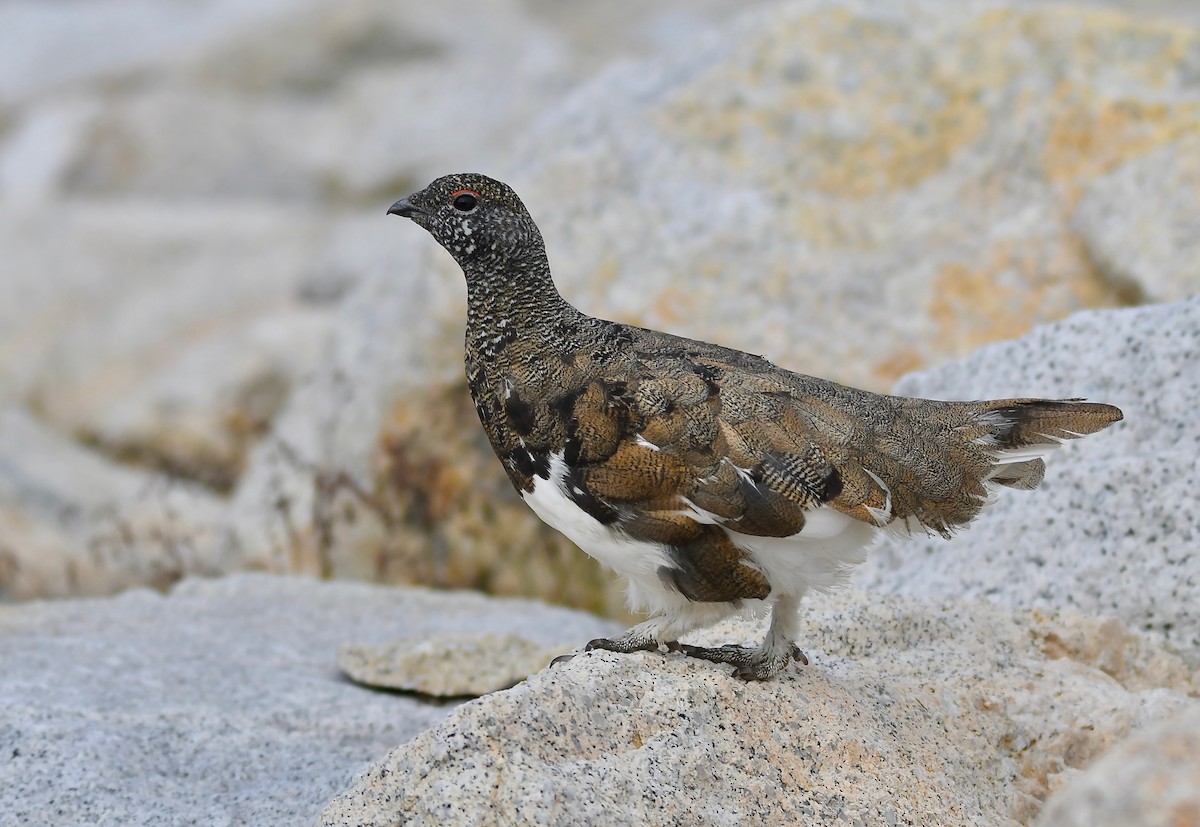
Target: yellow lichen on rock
(995, 297)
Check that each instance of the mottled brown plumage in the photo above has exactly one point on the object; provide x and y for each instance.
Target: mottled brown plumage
(696, 470)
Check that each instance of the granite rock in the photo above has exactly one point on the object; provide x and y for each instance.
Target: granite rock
(1140, 223)
(219, 703)
(71, 522)
(911, 712)
(1150, 780)
(169, 337)
(1113, 529)
(213, 107)
(877, 186)
(46, 50)
(295, 100)
(350, 78)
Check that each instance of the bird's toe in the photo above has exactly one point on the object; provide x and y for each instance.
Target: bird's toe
(752, 663)
(729, 653)
(621, 644)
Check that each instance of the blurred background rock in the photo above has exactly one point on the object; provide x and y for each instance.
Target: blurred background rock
(217, 353)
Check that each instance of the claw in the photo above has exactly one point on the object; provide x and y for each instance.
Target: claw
(562, 659)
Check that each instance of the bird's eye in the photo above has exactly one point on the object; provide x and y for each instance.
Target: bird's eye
(464, 200)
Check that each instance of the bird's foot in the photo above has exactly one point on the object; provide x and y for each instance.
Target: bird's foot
(753, 663)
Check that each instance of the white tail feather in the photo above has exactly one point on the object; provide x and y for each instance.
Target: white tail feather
(1011, 456)
(881, 516)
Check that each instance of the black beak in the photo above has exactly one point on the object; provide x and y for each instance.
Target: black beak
(404, 208)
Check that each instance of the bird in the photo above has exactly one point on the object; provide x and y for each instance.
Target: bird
(711, 480)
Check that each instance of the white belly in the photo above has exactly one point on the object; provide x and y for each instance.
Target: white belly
(819, 557)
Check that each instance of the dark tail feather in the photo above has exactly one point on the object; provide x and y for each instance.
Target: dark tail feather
(1024, 430)
(1021, 422)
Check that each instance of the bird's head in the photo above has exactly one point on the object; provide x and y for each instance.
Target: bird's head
(480, 221)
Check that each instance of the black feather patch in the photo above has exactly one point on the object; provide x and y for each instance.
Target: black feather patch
(711, 375)
(520, 414)
(577, 491)
(682, 582)
(529, 464)
(805, 479)
(564, 408)
(571, 450)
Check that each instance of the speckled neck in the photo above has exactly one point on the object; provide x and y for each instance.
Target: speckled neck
(516, 299)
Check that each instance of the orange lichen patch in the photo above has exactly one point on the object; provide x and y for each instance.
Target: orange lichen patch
(849, 106)
(890, 156)
(1090, 137)
(899, 362)
(1010, 289)
(781, 98)
(671, 306)
(1185, 813)
(882, 155)
(606, 272)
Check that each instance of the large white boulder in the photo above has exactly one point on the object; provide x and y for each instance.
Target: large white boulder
(910, 712)
(221, 702)
(1114, 527)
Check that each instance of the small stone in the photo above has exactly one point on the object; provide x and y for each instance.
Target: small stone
(448, 665)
